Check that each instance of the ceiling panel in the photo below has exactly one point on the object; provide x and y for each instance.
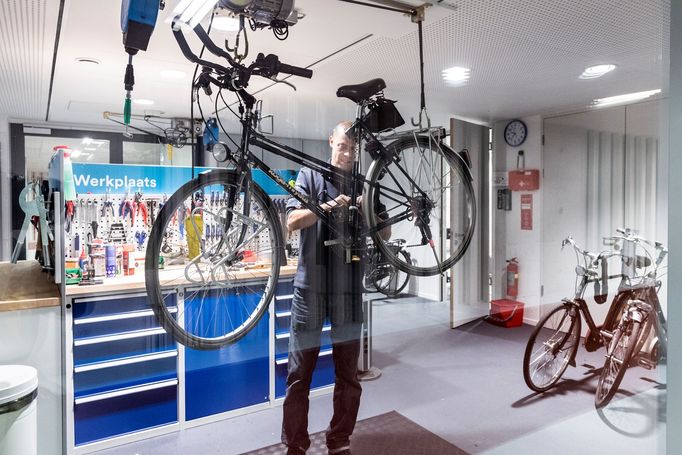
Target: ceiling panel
(525, 57)
(27, 34)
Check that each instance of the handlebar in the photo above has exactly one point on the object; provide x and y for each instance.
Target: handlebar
(267, 66)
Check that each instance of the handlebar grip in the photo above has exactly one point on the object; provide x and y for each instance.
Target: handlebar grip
(294, 70)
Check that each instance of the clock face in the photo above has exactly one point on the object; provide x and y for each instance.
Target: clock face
(515, 133)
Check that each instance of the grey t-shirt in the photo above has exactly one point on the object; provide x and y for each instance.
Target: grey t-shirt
(321, 269)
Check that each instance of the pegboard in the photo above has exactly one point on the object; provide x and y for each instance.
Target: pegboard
(96, 214)
(111, 210)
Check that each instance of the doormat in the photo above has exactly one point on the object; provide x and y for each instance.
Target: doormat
(385, 434)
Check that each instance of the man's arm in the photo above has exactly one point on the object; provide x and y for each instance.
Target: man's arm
(303, 218)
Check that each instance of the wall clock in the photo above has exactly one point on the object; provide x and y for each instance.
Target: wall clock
(515, 133)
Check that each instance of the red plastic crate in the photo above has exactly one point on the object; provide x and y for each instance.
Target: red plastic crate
(506, 313)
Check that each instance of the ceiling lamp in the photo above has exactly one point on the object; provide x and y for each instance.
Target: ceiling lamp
(596, 71)
(456, 75)
(623, 99)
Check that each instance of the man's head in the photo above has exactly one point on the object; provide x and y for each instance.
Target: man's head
(343, 146)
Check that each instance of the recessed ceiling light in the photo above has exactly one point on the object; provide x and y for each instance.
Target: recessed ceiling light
(143, 102)
(173, 74)
(596, 71)
(92, 61)
(622, 99)
(225, 24)
(456, 75)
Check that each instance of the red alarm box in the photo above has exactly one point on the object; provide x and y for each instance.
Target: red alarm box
(506, 313)
(524, 180)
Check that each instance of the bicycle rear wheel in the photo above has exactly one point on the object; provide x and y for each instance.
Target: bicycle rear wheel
(389, 279)
(421, 188)
(619, 352)
(210, 293)
(551, 347)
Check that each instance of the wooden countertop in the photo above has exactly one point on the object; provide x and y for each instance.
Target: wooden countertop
(136, 281)
(24, 286)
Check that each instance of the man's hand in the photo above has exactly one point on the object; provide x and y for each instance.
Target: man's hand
(340, 201)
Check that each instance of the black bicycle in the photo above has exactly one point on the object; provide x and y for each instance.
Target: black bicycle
(223, 235)
(383, 276)
(634, 321)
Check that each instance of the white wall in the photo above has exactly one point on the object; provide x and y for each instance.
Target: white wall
(33, 337)
(565, 160)
(524, 245)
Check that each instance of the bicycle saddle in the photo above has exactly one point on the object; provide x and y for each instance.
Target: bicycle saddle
(361, 92)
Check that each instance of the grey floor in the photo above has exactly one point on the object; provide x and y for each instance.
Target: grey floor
(465, 385)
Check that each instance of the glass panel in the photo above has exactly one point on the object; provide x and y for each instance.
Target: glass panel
(156, 154)
(39, 151)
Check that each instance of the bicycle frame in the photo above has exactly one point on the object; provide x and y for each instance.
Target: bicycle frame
(250, 137)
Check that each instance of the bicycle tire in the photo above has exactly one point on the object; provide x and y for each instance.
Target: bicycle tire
(214, 332)
(403, 151)
(386, 289)
(559, 342)
(625, 337)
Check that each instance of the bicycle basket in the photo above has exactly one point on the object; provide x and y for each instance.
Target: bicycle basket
(382, 116)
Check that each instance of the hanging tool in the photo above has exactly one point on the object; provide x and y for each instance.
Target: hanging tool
(69, 215)
(125, 208)
(140, 236)
(151, 210)
(138, 19)
(139, 207)
(107, 204)
(94, 225)
(32, 203)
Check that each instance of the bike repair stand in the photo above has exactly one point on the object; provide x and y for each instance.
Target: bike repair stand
(366, 372)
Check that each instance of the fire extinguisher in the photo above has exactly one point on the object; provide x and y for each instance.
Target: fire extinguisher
(512, 277)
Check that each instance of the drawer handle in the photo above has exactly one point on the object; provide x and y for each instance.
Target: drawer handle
(286, 360)
(127, 391)
(119, 316)
(119, 337)
(124, 361)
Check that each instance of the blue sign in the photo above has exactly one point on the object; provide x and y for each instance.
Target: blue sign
(119, 178)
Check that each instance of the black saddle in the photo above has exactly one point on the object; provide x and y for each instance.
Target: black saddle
(361, 92)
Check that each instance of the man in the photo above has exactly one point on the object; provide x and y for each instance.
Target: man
(325, 286)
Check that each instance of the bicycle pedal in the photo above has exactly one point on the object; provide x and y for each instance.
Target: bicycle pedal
(646, 363)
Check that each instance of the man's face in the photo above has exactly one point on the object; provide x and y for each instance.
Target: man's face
(343, 150)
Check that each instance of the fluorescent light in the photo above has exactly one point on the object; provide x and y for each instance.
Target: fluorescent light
(627, 98)
(143, 102)
(193, 11)
(456, 75)
(596, 71)
(173, 74)
(86, 141)
(226, 24)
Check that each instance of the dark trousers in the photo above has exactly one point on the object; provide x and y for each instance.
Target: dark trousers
(308, 312)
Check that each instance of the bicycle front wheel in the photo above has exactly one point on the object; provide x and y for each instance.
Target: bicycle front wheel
(619, 352)
(551, 347)
(221, 248)
(422, 191)
(389, 279)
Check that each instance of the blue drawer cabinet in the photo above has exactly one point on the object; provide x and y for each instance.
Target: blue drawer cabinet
(234, 376)
(124, 368)
(324, 370)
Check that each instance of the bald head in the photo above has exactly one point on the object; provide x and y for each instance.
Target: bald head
(342, 145)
